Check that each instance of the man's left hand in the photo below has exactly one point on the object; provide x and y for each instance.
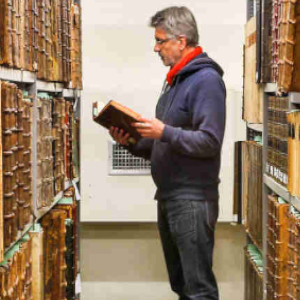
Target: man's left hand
(149, 128)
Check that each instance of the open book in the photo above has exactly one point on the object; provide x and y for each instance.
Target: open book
(116, 115)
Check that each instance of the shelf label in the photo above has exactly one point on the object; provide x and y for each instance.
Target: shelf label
(77, 193)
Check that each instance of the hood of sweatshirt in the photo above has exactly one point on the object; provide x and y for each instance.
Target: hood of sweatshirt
(199, 62)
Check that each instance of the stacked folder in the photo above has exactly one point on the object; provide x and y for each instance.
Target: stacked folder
(252, 189)
(277, 247)
(16, 142)
(25, 153)
(253, 273)
(54, 246)
(58, 117)
(42, 36)
(76, 47)
(16, 272)
(266, 41)
(275, 39)
(45, 178)
(69, 121)
(68, 204)
(286, 43)
(293, 261)
(293, 152)
(277, 160)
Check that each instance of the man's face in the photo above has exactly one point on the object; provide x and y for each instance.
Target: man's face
(167, 47)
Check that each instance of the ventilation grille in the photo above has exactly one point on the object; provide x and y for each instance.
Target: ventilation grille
(121, 162)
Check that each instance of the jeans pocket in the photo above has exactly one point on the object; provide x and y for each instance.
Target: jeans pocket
(211, 213)
(183, 224)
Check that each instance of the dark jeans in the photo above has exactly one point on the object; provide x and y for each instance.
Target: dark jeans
(187, 233)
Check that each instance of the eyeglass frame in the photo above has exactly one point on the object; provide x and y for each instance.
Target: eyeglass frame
(161, 42)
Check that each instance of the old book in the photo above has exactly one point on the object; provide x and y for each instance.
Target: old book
(266, 41)
(275, 38)
(117, 115)
(253, 273)
(253, 93)
(76, 46)
(37, 262)
(54, 254)
(252, 190)
(6, 43)
(286, 45)
(295, 87)
(277, 237)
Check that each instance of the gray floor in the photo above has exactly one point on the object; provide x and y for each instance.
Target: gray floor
(124, 262)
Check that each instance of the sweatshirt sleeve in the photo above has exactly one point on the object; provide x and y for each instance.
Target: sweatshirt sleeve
(142, 148)
(206, 101)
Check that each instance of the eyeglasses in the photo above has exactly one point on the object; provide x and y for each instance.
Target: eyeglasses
(160, 42)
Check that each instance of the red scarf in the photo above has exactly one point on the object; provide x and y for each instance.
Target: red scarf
(184, 61)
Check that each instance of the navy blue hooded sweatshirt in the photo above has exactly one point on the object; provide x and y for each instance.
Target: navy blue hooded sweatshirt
(185, 162)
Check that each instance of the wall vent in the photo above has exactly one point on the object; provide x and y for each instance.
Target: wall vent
(121, 162)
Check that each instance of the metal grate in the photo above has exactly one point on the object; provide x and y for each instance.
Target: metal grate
(121, 162)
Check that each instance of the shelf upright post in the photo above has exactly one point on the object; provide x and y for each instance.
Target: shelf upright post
(265, 192)
(33, 93)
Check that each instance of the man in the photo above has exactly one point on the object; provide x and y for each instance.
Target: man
(184, 143)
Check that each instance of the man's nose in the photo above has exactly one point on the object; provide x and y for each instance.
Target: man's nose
(156, 48)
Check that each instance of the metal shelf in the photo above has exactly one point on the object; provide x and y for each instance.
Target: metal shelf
(53, 87)
(277, 188)
(20, 235)
(256, 127)
(15, 75)
(294, 98)
(270, 87)
(41, 212)
(295, 201)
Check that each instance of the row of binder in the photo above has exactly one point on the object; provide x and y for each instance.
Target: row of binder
(56, 131)
(43, 264)
(278, 129)
(42, 36)
(279, 43)
(17, 178)
(252, 189)
(253, 273)
(294, 152)
(283, 250)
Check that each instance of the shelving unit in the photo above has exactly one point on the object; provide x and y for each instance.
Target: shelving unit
(34, 86)
(269, 184)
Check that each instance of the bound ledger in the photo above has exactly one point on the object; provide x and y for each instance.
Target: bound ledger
(117, 115)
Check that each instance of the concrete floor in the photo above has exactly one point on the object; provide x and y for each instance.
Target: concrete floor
(125, 262)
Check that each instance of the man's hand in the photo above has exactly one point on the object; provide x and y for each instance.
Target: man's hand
(149, 128)
(119, 136)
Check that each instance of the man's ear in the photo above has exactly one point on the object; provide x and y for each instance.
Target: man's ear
(182, 40)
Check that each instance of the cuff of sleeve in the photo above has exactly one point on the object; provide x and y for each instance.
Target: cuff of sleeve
(168, 133)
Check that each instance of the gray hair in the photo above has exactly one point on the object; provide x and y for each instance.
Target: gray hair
(177, 20)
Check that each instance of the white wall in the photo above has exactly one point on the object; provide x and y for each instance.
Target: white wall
(119, 63)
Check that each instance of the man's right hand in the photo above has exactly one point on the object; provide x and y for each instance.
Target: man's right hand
(119, 135)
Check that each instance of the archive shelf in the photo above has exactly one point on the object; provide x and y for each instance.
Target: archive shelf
(270, 184)
(28, 81)
(41, 213)
(16, 75)
(57, 198)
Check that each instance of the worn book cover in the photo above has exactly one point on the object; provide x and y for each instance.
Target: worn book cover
(117, 115)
